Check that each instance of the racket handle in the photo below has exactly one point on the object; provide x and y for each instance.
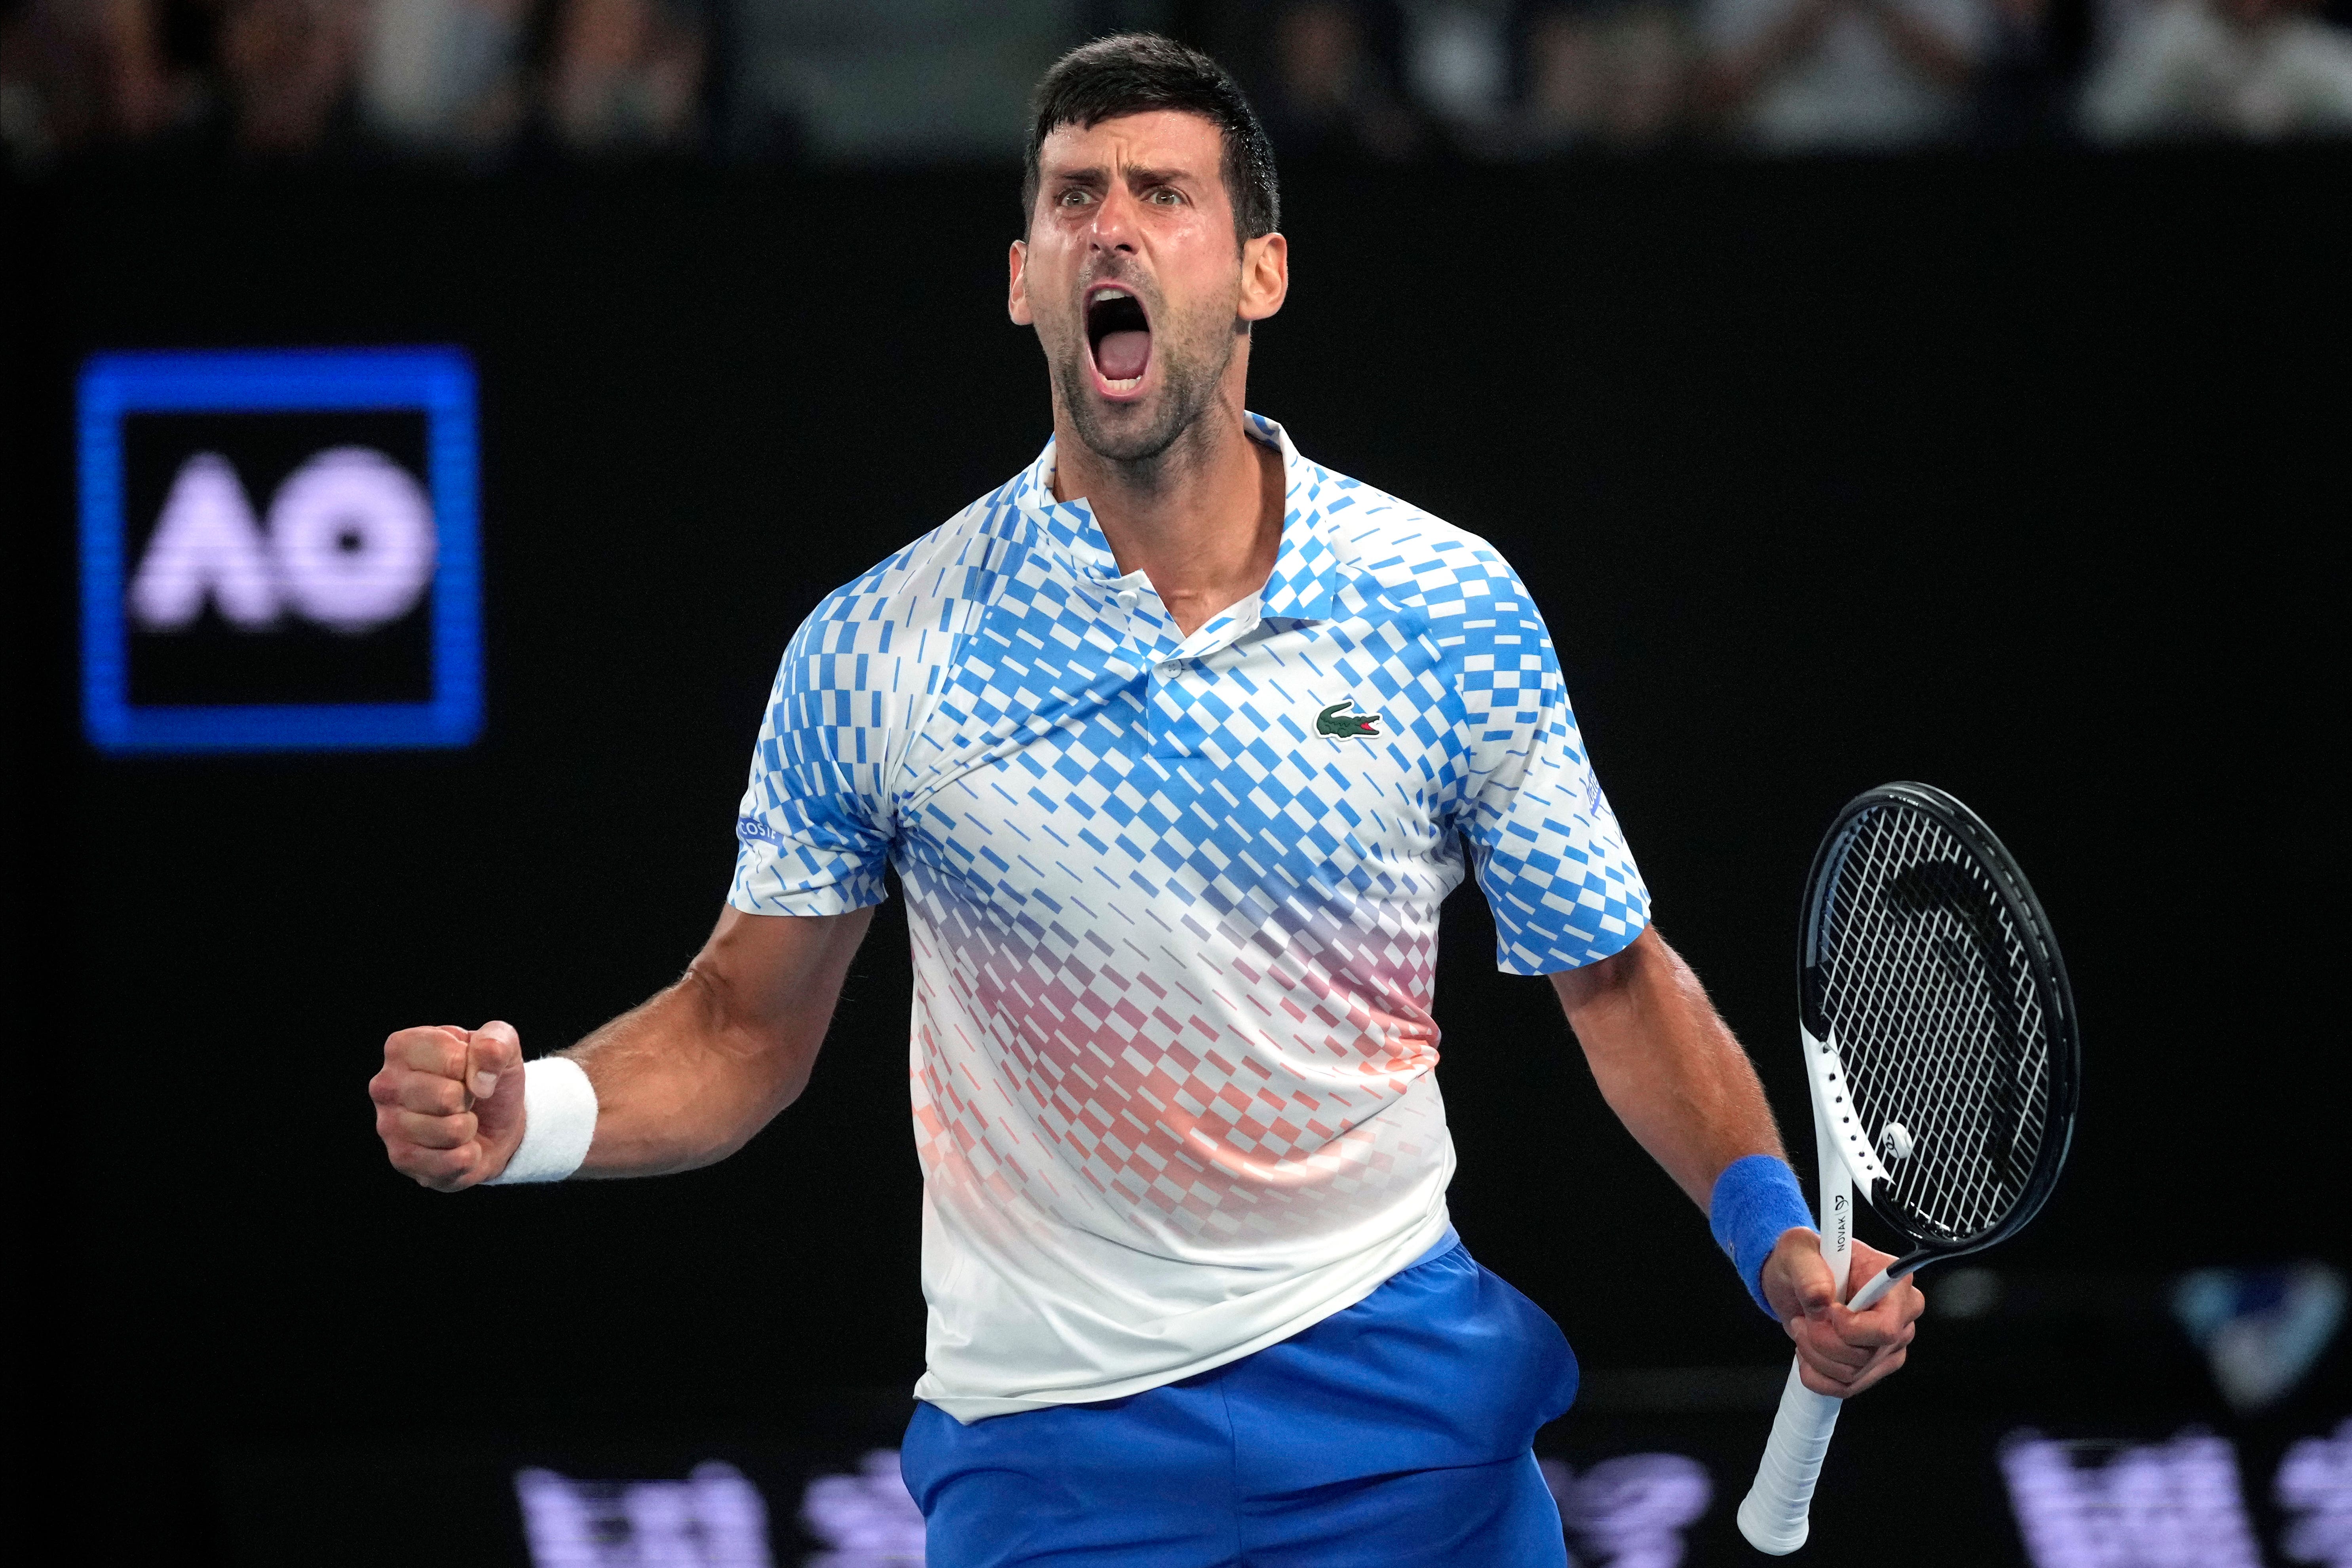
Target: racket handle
(1773, 1516)
(1867, 1297)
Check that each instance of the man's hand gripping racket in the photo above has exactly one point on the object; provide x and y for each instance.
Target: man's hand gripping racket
(1940, 1048)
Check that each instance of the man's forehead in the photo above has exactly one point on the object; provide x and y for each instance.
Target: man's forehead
(1163, 139)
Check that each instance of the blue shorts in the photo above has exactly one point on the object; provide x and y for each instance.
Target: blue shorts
(1397, 1432)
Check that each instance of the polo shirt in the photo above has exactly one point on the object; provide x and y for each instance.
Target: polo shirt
(1173, 903)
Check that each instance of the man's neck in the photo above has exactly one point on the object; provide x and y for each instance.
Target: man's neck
(1202, 521)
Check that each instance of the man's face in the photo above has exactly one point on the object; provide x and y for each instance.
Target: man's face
(1134, 278)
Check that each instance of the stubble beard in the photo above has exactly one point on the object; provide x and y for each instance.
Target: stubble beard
(1192, 366)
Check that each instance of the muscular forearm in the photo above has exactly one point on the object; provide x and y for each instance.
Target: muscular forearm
(679, 1085)
(1680, 1082)
(1667, 1064)
(688, 1077)
(681, 1081)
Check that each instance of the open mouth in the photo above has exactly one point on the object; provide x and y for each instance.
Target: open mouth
(1119, 334)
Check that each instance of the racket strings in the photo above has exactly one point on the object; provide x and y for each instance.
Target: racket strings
(1931, 993)
(1957, 1080)
(1963, 1064)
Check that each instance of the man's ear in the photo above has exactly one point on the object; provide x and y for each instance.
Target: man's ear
(1266, 276)
(1016, 304)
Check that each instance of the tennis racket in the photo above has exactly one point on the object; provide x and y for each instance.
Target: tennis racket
(1940, 1045)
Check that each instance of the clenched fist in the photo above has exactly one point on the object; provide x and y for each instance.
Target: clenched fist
(1839, 1352)
(448, 1103)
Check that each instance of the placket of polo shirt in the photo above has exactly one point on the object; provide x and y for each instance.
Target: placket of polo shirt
(1183, 682)
(1125, 606)
(1147, 632)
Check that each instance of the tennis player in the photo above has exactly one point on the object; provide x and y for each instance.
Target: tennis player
(1176, 742)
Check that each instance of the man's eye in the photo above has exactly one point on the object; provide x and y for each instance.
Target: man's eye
(1074, 197)
(1168, 197)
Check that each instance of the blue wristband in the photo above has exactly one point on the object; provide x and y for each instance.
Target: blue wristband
(1756, 1201)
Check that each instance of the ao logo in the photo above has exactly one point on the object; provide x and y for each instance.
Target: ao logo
(366, 558)
(347, 543)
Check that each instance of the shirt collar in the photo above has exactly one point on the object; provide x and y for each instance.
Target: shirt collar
(1305, 583)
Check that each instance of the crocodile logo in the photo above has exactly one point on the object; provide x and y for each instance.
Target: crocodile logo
(1346, 726)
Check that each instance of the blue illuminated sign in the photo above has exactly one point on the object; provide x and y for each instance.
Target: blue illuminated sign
(280, 550)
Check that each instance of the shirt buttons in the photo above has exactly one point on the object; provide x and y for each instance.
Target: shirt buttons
(1127, 598)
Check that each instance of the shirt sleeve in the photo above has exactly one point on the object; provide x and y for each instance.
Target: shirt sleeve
(814, 829)
(1546, 848)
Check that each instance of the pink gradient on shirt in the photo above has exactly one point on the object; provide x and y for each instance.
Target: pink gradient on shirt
(1101, 1066)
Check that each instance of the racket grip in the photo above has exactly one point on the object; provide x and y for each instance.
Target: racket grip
(1867, 1297)
(1774, 1515)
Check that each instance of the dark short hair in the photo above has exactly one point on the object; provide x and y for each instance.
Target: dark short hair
(1135, 73)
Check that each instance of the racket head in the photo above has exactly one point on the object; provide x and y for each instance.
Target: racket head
(1931, 966)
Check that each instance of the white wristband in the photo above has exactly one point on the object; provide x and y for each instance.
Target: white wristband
(559, 1118)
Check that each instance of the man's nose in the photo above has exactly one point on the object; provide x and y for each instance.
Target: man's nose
(1114, 226)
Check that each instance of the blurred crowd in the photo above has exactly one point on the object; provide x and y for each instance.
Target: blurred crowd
(349, 79)
(1502, 80)
(484, 82)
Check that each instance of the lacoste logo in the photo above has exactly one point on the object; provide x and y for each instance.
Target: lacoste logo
(1346, 726)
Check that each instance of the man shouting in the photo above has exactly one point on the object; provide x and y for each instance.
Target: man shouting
(1176, 742)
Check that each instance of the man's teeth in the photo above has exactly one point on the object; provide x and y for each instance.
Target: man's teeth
(1113, 294)
(1130, 384)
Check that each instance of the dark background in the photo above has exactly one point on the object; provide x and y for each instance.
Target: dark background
(297, 660)
(2022, 476)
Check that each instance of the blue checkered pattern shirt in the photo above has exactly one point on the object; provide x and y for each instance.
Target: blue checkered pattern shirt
(1173, 901)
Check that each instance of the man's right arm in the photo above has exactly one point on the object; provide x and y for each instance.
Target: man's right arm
(681, 1081)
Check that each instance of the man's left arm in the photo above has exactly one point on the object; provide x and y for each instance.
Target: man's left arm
(1675, 1076)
